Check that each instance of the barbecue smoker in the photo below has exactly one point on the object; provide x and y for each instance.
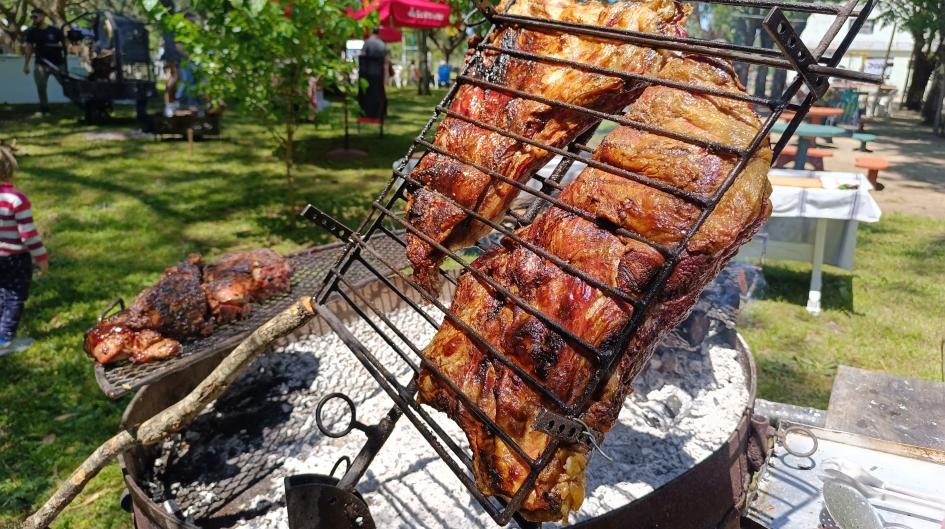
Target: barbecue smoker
(341, 299)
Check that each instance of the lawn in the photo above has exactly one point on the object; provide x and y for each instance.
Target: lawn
(116, 213)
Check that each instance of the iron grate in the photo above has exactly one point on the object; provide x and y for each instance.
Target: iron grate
(309, 269)
(386, 217)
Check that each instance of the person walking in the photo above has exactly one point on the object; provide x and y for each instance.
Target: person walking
(20, 248)
(44, 41)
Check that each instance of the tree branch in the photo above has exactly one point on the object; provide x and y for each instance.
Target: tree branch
(178, 415)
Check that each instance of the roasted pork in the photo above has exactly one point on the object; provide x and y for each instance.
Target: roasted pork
(618, 261)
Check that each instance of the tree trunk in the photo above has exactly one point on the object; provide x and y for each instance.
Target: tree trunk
(931, 105)
(922, 66)
(761, 73)
(290, 155)
(423, 88)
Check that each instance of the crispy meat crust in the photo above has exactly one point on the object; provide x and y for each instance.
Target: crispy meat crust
(614, 260)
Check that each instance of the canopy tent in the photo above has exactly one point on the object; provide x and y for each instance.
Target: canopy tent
(419, 14)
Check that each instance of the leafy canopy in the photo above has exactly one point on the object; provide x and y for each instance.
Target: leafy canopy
(261, 53)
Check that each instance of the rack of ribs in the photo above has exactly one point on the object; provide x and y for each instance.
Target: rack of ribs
(188, 302)
(467, 144)
(614, 260)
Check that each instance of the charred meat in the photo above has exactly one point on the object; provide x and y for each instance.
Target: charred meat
(462, 176)
(187, 302)
(598, 318)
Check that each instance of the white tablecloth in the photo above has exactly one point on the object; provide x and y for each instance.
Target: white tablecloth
(791, 232)
(831, 202)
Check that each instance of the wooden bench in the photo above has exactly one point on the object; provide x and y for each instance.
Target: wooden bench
(371, 121)
(873, 165)
(864, 138)
(815, 157)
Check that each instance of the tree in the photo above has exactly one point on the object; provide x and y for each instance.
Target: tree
(261, 54)
(925, 21)
(449, 38)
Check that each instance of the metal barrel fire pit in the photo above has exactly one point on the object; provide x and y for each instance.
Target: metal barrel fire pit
(708, 494)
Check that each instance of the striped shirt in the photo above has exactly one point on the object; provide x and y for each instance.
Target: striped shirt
(18, 234)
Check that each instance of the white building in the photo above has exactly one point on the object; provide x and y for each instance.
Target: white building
(868, 51)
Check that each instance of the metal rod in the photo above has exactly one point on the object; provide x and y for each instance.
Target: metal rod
(652, 40)
(364, 356)
(629, 76)
(545, 254)
(600, 221)
(640, 179)
(472, 333)
(708, 144)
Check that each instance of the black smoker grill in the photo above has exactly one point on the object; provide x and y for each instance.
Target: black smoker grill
(339, 293)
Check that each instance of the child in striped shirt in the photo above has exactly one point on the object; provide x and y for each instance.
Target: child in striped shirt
(20, 248)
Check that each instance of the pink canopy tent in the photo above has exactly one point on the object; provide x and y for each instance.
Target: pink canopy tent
(419, 14)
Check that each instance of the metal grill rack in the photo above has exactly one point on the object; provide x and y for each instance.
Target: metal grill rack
(813, 69)
(309, 269)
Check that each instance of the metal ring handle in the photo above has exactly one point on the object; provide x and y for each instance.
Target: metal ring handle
(318, 415)
(803, 432)
(343, 459)
(120, 302)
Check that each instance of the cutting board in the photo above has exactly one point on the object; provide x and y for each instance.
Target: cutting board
(796, 181)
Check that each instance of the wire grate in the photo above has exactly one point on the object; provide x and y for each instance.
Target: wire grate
(309, 269)
(386, 217)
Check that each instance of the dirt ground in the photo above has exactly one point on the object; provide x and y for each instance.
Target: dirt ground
(915, 180)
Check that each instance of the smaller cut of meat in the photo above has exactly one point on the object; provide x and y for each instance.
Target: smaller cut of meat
(187, 302)
(239, 278)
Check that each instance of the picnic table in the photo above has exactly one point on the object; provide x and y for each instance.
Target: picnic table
(815, 115)
(807, 134)
(815, 224)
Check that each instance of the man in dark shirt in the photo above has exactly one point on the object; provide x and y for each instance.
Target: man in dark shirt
(45, 42)
(373, 66)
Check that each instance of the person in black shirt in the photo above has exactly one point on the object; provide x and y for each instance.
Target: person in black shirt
(45, 42)
(373, 67)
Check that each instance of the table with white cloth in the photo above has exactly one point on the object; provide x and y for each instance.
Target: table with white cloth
(816, 225)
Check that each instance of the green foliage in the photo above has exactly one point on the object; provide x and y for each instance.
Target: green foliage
(114, 214)
(447, 39)
(924, 19)
(260, 54)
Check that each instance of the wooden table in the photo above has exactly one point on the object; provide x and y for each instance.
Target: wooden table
(807, 134)
(815, 115)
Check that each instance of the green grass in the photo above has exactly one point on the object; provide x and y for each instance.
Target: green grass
(885, 315)
(116, 213)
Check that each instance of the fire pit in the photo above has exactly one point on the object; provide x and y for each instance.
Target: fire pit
(685, 429)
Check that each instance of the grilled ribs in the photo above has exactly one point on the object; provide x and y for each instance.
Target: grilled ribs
(188, 302)
(456, 177)
(239, 278)
(620, 262)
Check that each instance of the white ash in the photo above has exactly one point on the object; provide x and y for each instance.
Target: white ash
(686, 404)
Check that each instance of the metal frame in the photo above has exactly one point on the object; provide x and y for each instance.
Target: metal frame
(813, 69)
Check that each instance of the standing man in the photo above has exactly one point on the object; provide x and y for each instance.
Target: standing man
(45, 42)
(373, 67)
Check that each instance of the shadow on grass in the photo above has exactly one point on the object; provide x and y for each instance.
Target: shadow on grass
(792, 285)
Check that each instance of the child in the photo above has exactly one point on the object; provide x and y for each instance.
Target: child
(20, 248)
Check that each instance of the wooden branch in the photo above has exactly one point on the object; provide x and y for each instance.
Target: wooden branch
(175, 417)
